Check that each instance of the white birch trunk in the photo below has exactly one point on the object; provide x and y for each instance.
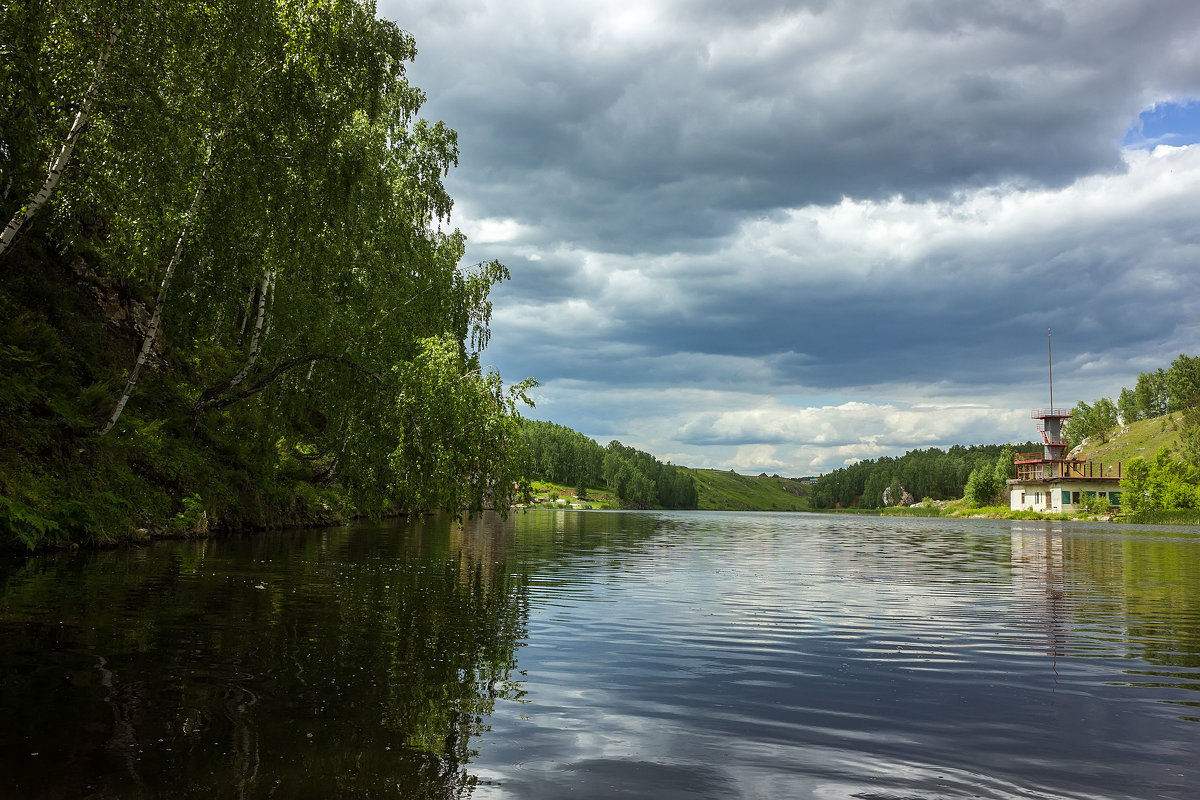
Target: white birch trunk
(160, 301)
(268, 287)
(245, 319)
(54, 174)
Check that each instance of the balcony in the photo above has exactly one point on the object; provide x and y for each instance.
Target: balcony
(1032, 467)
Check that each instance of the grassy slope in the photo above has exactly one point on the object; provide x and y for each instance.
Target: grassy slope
(728, 491)
(1139, 439)
(597, 498)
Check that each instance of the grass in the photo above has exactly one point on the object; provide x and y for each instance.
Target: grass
(1143, 438)
(1177, 516)
(951, 508)
(729, 491)
(914, 511)
(550, 493)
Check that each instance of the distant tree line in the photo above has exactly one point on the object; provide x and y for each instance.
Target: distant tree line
(561, 455)
(932, 473)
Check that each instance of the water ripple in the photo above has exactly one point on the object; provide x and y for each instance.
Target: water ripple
(832, 657)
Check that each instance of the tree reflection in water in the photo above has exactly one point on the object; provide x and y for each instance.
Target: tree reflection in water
(356, 661)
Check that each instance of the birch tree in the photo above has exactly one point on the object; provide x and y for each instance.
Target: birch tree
(266, 181)
(59, 162)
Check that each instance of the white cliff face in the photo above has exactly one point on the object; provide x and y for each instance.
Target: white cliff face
(905, 499)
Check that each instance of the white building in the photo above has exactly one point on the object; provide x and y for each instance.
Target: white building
(1050, 482)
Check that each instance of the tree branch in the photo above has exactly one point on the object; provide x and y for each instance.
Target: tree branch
(218, 402)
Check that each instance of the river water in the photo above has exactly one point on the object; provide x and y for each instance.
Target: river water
(611, 655)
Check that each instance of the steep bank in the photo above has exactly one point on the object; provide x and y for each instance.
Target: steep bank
(67, 334)
(235, 298)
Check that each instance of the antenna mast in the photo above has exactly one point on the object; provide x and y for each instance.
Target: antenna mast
(1050, 359)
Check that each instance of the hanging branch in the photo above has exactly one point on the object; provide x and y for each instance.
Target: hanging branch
(213, 396)
(55, 171)
(270, 377)
(209, 396)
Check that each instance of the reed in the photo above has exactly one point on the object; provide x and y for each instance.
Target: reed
(1173, 516)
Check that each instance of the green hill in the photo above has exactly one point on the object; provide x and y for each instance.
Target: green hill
(729, 491)
(1143, 438)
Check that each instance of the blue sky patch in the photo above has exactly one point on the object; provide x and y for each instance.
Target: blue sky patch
(1166, 123)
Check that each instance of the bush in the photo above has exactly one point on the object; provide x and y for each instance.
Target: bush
(193, 520)
(21, 522)
(983, 487)
(1094, 503)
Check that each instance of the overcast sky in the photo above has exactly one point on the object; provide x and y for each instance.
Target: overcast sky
(782, 236)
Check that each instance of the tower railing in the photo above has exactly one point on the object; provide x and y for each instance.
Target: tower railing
(1041, 413)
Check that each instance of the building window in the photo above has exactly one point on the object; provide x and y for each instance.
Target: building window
(1066, 496)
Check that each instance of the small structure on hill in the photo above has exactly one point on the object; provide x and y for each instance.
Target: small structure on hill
(1049, 481)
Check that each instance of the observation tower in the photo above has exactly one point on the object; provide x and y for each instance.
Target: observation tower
(1050, 481)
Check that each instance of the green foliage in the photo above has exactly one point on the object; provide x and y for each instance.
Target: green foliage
(1189, 438)
(1095, 503)
(1128, 407)
(1005, 468)
(1094, 421)
(562, 455)
(1164, 390)
(565, 456)
(982, 486)
(193, 519)
(1151, 394)
(459, 439)
(319, 350)
(1160, 484)
(1183, 382)
(1175, 516)
(23, 523)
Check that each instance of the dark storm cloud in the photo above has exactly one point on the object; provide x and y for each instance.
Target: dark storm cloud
(708, 207)
(711, 116)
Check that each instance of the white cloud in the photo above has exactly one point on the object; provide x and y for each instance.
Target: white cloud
(496, 231)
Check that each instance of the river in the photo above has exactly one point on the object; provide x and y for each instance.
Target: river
(608, 655)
